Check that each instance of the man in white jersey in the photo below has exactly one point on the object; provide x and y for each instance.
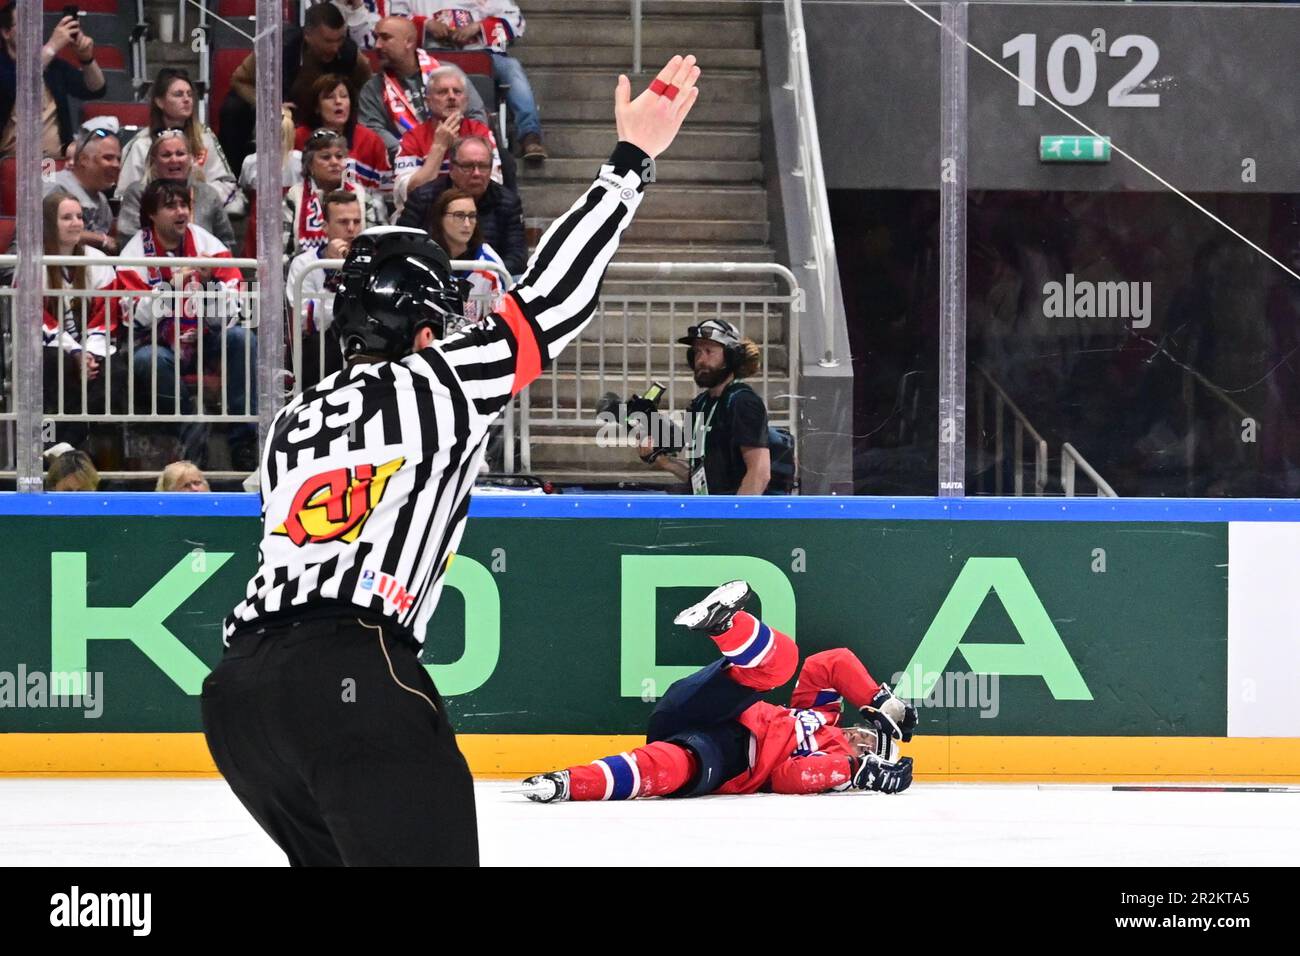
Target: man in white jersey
(319, 715)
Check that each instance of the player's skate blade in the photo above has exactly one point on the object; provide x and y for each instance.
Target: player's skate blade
(715, 612)
(546, 787)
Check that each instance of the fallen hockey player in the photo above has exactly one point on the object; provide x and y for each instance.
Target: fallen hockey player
(710, 733)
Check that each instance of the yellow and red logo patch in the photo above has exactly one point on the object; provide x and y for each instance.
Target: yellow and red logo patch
(334, 505)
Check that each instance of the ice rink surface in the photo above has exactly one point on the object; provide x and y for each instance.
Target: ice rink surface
(51, 822)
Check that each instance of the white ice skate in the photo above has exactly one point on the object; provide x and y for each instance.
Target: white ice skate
(715, 612)
(547, 787)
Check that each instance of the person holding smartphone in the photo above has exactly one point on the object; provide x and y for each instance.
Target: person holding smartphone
(63, 81)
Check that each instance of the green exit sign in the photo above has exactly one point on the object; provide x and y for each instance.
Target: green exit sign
(1074, 149)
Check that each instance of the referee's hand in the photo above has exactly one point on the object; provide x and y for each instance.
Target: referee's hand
(651, 121)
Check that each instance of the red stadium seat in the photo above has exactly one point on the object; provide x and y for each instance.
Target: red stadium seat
(224, 63)
(471, 61)
(108, 57)
(90, 6)
(130, 114)
(248, 8)
(8, 226)
(8, 187)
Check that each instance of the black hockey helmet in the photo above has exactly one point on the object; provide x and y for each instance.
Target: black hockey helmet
(395, 281)
(715, 330)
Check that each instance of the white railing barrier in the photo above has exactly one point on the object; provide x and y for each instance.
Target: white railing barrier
(1070, 460)
(1022, 427)
(799, 82)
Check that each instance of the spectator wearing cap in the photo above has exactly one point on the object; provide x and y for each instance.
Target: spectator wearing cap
(182, 476)
(728, 452)
(500, 213)
(335, 110)
(490, 26)
(63, 81)
(96, 166)
(321, 47)
(310, 291)
(393, 102)
(172, 107)
(422, 153)
(324, 168)
(170, 158)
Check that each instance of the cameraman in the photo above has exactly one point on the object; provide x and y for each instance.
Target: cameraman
(728, 451)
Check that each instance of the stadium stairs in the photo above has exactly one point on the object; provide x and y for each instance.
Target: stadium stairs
(709, 204)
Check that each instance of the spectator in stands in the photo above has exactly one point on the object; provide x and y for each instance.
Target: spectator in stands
(290, 160)
(394, 102)
(182, 476)
(172, 107)
(362, 17)
(96, 165)
(324, 163)
(500, 214)
(491, 26)
(62, 81)
(321, 47)
(72, 471)
(333, 110)
(209, 311)
(170, 158)
(455, 227)
(422, 153)
(79, 331)
(313, 303)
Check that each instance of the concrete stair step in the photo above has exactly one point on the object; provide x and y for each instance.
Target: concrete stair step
(697, 230)
(678, 31)
(692, 252)
(727, 203)
(721, 285)
(563, 451)
(647, 477)
(594, 107)
(564, 390)
(669, 171)
(733, 8)
(620, 57)
(552, 84)
(695, 142)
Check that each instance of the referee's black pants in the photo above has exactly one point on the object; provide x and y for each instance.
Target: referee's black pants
(335, 739)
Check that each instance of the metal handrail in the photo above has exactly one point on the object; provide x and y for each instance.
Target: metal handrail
(799, 82)
(636, 36)
(1071, 459)
(1022, 426)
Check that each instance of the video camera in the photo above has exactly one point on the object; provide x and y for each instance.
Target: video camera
(641, 414)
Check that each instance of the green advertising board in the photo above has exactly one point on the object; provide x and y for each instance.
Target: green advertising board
(563, 626)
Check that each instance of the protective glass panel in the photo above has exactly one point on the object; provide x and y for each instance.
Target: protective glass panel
(1132, 297)
(881, 147)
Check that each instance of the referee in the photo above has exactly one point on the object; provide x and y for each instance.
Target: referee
(319, 715)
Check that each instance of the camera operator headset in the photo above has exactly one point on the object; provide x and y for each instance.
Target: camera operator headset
(728, 451)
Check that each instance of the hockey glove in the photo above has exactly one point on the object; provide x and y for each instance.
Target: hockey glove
(883, 776)
(891, 714)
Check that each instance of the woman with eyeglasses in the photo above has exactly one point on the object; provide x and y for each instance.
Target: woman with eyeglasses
(335, 110)
(170, 158)
(79, 331)
(173, 107)
(455, 227)
(324, 169)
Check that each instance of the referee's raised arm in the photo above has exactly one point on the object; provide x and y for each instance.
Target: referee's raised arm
(557, 296)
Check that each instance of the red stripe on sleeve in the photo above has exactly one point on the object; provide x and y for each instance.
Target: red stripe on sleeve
(528, 356)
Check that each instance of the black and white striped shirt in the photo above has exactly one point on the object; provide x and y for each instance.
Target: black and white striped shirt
(366, 477)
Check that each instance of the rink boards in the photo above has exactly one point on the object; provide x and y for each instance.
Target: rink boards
(1043, 638)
